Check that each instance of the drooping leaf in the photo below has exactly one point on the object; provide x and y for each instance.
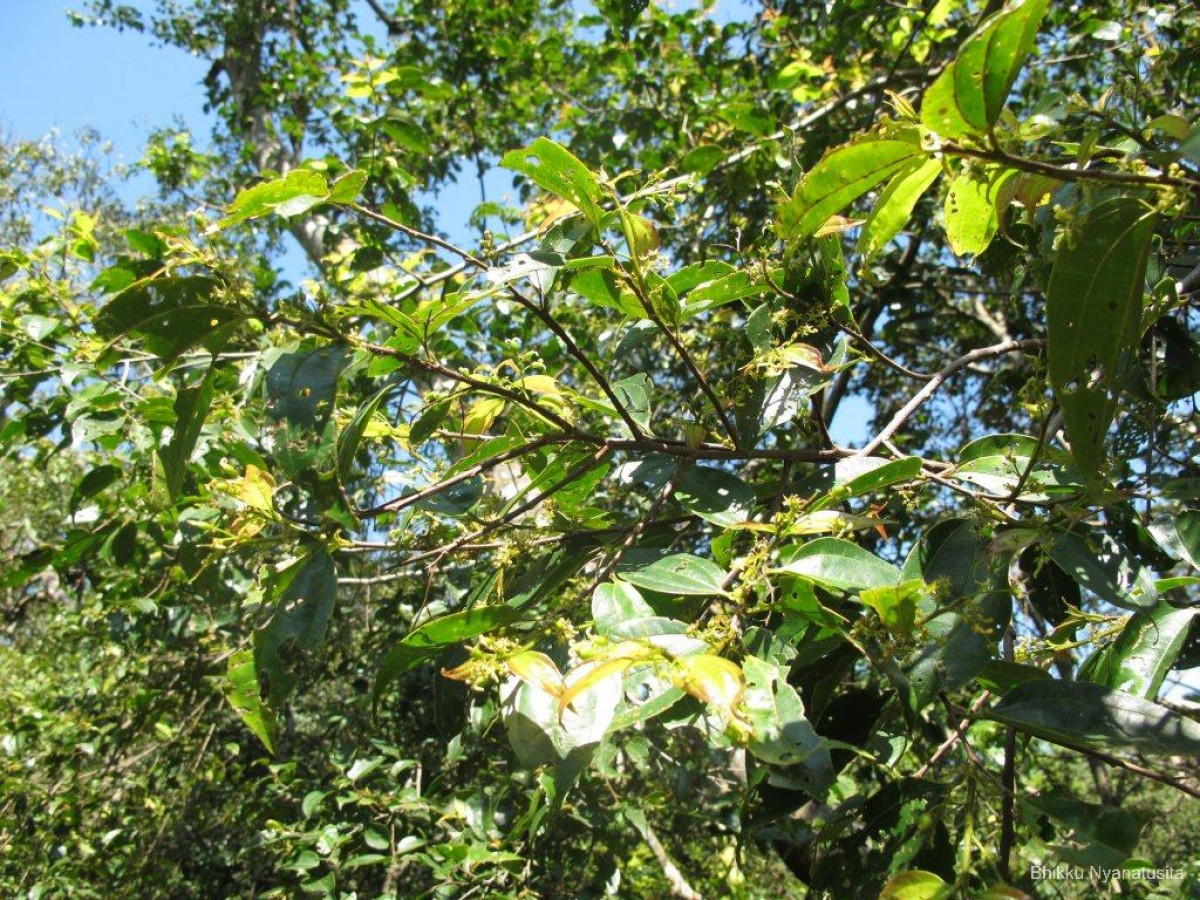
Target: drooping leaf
(1093, 317)
(842, 175)
(972, 212)
(1079, 714)
(242, 692)
(967, 97)
(301, 389)
(1105, 568)
(1142, 655)
(780, 733)
(302, 613)
(895, 205)
(350, 437)
(191, 408)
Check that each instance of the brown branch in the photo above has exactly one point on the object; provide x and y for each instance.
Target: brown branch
(931, 387)
(1129, 179)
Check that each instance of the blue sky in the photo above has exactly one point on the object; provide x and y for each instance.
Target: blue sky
(53, 75)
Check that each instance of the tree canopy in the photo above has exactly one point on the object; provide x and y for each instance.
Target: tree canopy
(516, 547)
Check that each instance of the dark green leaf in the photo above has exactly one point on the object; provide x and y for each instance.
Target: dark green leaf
(716, 495)
(680, 573)
(1094, 314)
(426, 641)
(1079, 714)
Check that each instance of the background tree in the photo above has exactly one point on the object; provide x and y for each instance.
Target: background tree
(511, 553)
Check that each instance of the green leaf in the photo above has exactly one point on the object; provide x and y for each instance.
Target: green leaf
(895, 205)
(1095, 834)
(1079, 714)
(1142, 655)
(837, 564)
(841, 176)
(896, 605)
(302, 614)
(680, 574)
(170, 315)
(93, 483)
(634, 394)
(1180, 536)
(852, 481)
(1000, 676)
(971, 209)
(915, 885)
(430, 639)
(997, 463)
(351, 436)
(1106, 569)
(301, 388)
(967, 97)
(347, 188)
(295, 193)
(780, 734)
(615, 603)
(191, 408)
(1094, 313)
(242, 692)
(975, 606)
(554, 169)
(716, 495)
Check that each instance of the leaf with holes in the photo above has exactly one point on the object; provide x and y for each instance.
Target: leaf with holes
(555, 169)
(1094, 314)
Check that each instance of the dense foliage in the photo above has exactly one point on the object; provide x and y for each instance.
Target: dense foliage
(520, 550)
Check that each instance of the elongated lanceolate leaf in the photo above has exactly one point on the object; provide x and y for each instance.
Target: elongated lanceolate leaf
(1094, 313)
(1079, 714)
(895, 205)
(842, 175)
(966, 99)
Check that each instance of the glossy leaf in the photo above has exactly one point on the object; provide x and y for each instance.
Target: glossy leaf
(895, 205)
(1106, 569)
(1139, 659)
(838, 564)
(915, 885)
(679, 574)
(426, 641)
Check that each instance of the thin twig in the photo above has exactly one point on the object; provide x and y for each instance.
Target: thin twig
(931, 387)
